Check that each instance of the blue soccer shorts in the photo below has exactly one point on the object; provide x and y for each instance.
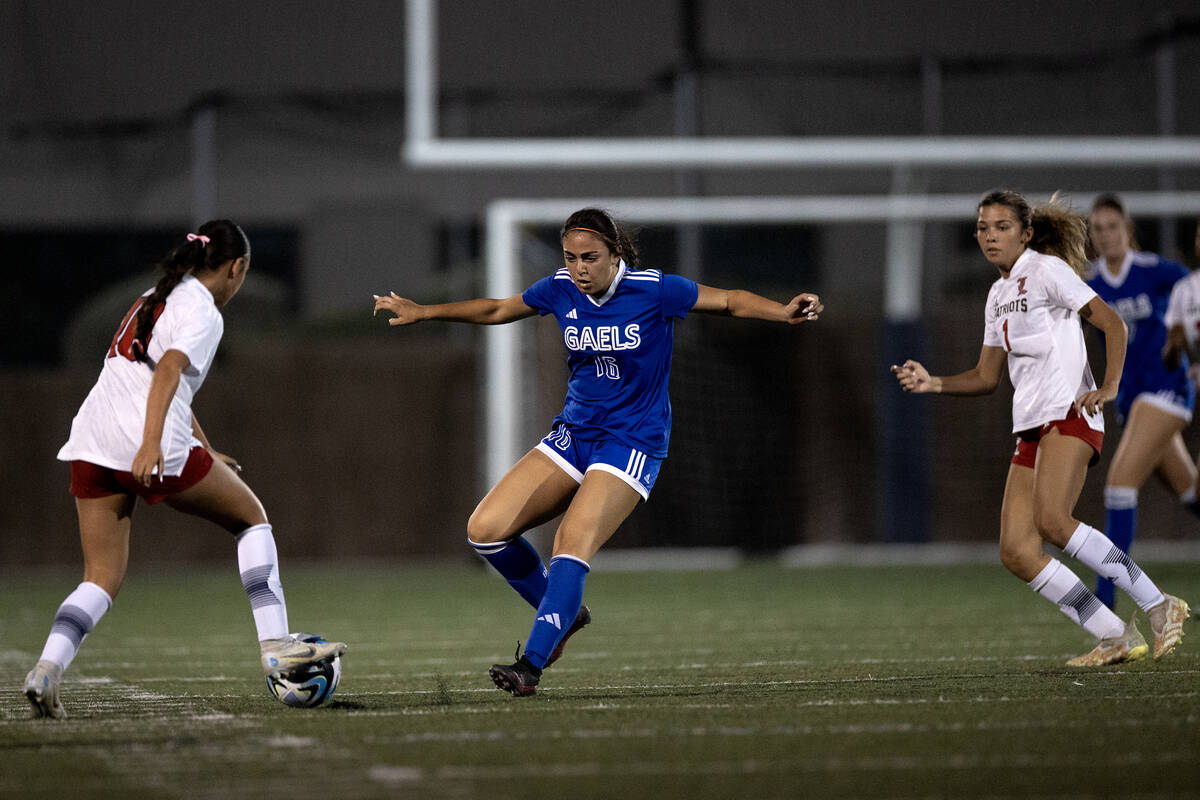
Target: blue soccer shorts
(576, 457)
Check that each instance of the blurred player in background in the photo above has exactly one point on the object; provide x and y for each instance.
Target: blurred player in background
(1032, 323)
(1154, 403)
(1183, 325)
(604, 452)
(135, 436)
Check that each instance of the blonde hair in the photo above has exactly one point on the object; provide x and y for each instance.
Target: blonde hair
(1057, 230)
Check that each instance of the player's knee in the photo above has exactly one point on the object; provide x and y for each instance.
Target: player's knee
(1054, 526)
(1016, 556)
(484, 527)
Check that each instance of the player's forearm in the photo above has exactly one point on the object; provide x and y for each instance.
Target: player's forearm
(481, 311)
(748, 305)
(966, 384)
(162, 390)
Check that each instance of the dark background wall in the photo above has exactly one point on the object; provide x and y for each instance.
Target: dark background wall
(364, 442)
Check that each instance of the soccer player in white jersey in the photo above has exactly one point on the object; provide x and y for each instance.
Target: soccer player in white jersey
(1032, 322)
(135, 436)
(603, 455)
(1183, 325)
(1154, 403)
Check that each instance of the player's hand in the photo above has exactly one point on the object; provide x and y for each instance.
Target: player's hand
(804, 307)
(913, 377)
(404, 311)
(147, 462)
(1093, 401)
(228, 461)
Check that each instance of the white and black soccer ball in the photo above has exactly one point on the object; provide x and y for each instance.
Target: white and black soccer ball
(311, 686)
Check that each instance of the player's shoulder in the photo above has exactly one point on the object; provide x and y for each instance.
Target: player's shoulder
(1145, 260)
(644, 275)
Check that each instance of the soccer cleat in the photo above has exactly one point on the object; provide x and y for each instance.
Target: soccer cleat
(284, 657)
(581, 619)
(41, 688)
(1129, 646)
(519, 679)
(1166, 620)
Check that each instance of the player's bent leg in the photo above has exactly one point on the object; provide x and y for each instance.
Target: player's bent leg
(533, 492)
(1020, 545)
(104, 525)
(1175, 468)
(223, 498)
(1144, 444)
(1058, 479)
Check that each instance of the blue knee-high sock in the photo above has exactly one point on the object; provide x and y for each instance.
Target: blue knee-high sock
(564, 596)
(520, 565)
(1120, 525)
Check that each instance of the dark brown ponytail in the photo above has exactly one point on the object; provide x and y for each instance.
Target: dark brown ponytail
(215, 243)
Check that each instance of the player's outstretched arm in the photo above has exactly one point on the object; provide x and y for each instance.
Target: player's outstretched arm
(482, 311)
(804, 307)
(982, 379)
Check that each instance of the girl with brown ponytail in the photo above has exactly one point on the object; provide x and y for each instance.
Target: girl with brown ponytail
(136, 436)
(1032, 324)
(603, 455)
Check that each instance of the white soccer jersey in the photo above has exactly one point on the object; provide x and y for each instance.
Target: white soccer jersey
(108, 428)
(1184, 309)
(1034, 315)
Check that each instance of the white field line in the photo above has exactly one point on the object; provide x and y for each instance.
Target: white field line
(398, 775)
(701, 731)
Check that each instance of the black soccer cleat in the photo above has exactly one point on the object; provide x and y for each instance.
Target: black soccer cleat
(582, 618)
(519, 679)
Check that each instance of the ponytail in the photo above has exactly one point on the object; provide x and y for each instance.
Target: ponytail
(216, 243)
(1057, 230)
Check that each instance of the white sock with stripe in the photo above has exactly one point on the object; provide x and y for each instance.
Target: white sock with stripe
(1058, 584)
(258, 563)
(73, 621)
(1098, 552)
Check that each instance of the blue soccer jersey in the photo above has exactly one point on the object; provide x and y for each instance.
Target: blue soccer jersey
(618, 352)
(1139, 293)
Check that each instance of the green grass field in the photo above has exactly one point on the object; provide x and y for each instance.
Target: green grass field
(755, 682)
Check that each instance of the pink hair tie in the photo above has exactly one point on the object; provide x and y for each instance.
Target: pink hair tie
(203, 239)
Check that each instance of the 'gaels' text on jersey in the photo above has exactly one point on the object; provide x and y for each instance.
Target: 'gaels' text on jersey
(618, 352)
(1139, 293)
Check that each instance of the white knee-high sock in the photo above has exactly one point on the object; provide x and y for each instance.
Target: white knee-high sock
(258, 562)
(73, 621)
(1098, 552)
(1058, 584)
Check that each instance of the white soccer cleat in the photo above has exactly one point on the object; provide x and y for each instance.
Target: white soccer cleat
(1129, 646)
(1166, 620)
(41, 689)
(282, 657)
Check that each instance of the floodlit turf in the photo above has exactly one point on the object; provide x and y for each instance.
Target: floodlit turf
(757, 682)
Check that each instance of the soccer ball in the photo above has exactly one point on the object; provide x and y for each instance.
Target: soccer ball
(312, 685)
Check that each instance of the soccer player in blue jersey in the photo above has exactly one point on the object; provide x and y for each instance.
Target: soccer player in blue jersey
(1154, 403)
(604, 452)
